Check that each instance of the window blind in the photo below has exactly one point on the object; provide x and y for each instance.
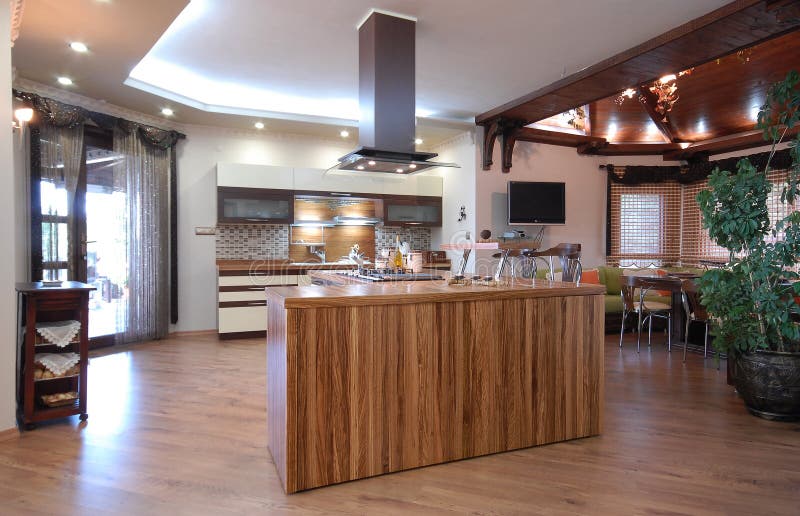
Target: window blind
(645, 223)
(661, 223)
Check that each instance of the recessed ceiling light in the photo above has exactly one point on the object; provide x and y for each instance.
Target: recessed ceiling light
(167, 112)
(259, 125)
(344, 133)
(399, 171)
(77, 46)
(371, 163)
(412, 166)
(66, 81)
(360, 167)
(418, 141)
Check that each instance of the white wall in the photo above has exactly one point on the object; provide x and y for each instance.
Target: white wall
(585, 192)
(458, 190)
(197, 190)
(8, 233)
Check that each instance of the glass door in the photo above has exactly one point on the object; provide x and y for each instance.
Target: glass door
(104, 249)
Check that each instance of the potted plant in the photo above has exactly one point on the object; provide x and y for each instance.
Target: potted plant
(752, 299)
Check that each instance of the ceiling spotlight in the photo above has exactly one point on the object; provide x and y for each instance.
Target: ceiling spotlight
(344, 133)
(360, 167)
(259, 125)
(371, 163)
(77, 46)
(167, 112)
(66, 81)
(399, 170)
(412, 166)
(418, 141)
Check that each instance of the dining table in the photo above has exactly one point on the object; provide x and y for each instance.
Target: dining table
(665, 283)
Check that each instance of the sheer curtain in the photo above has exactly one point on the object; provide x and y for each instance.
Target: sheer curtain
(61, 160)
(143, 176)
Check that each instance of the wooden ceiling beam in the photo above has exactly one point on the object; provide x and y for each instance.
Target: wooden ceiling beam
(737, 25)
(636, 149)
(722, 145)
(528, 134)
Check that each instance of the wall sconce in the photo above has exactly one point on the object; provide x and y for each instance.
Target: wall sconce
(23, 115)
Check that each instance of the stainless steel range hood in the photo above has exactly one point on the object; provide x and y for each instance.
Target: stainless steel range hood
(386, 86)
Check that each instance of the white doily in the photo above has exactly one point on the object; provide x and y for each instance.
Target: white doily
(59, 333)
(57, 363)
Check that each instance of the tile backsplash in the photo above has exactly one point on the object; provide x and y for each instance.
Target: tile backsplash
(252, 242)
(417, 238)
(271, 241)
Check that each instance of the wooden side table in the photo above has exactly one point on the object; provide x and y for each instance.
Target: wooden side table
(37, 304)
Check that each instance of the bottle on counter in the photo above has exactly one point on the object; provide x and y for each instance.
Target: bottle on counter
(398, 255)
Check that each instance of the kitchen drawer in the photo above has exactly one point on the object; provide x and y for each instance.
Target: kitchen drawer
(242, 318)
(243, 295)
(263, 281)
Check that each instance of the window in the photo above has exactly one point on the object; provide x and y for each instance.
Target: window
(644, 224)
(661, 223)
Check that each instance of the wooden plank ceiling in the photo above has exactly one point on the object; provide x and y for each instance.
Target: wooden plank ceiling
(734, 54)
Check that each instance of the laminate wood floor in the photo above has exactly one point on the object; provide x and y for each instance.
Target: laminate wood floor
(178, 427)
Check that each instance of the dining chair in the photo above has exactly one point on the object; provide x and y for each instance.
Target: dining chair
(645, 309)
(521, 265)
(695, 312)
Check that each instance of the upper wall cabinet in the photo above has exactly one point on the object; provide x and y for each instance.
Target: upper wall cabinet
(254, 206)
(254, 176)
(412, 211)
(429, 186)
(316, 180)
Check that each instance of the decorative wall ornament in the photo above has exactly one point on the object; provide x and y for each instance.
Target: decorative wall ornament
(577, 118)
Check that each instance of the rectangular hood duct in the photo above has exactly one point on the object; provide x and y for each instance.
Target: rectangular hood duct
(386, 86)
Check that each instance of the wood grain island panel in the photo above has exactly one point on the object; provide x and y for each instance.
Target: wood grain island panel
(364, 380)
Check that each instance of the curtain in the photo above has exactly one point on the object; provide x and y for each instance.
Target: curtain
(60, 160)
(143, 175)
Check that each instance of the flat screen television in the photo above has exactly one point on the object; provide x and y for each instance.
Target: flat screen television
(535, 203)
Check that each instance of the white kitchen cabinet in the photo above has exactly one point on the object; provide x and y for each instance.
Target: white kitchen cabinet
(254, 176)
(413, 185)
(317, 180)
(241, 301)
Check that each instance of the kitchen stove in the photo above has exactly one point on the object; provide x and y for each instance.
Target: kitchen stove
(378, 275)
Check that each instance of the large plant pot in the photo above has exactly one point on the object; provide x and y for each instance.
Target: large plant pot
(769, 383)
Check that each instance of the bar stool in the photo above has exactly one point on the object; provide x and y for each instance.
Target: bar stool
(570, 257)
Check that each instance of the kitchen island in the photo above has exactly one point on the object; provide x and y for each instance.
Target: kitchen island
(367, 379)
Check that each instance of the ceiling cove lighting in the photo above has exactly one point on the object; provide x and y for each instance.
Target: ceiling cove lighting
(259, 125)
(65, 81)
(344, 133)
(167, 112)
(78, 46)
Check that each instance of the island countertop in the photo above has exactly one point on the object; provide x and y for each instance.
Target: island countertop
(356, 292)
(367, 379)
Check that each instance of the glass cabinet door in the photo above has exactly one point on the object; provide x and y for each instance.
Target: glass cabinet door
(413, 212)
(243, 205)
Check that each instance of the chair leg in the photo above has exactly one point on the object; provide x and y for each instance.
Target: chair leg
(622, 330)
(686, 338)
(669, 332)
(649, 329)
(705, 342)
(639, 331)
